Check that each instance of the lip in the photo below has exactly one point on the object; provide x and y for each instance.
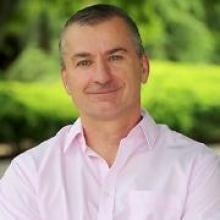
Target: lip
(103, 92)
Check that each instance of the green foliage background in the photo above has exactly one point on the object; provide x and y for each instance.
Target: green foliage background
(171, 29)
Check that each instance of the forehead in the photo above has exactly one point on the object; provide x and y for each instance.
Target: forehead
(104, 35)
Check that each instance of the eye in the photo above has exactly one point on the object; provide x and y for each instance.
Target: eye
(115, 57)
(84, 63)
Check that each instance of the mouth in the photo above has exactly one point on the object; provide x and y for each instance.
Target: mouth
(104, 91)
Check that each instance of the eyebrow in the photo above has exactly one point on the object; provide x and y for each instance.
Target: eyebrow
(86, 54)
(81, 55)
(117, 49)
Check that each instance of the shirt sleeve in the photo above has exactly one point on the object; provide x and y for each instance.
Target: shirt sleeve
(203, 200)
(18, 200)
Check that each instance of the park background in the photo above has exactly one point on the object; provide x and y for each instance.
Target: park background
(180, 37)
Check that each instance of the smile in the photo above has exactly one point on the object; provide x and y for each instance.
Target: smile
(104, 91)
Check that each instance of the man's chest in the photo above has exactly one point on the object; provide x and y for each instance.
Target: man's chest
(140, 189)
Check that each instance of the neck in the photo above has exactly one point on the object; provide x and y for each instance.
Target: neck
(104, 136)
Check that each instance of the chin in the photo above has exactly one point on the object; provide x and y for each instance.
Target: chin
(104, 113)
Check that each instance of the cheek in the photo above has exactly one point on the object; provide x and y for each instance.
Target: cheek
(78, 80)
(77, 86)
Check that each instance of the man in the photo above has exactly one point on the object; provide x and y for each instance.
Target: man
(114, 162)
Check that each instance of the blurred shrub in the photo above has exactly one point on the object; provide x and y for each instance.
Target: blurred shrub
(32, 111)
(34, 65)
(11, 111)
(207, 127)
(186, 97)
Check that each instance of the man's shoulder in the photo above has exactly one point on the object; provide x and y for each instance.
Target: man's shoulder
(47, 148)
(171, 140)
(164, 139)
(181, 151)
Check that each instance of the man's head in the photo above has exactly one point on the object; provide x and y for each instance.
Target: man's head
(96, 14)
(103, 63)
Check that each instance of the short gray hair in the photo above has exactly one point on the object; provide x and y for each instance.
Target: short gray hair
(96, 14)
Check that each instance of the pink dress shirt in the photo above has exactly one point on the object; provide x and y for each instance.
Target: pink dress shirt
(158, 174)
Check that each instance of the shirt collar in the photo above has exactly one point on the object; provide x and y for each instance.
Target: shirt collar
(149, 128)
(75, 130)
(147, 125)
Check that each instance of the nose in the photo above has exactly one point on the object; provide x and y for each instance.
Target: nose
(102, 73)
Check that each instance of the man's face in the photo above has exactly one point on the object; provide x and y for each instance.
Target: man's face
(103, 72)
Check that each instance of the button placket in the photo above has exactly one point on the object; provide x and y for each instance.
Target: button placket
(107, 199)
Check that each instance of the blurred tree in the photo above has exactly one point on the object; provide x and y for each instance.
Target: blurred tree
(188, 40)
(178, 31)
(44, 31)
(212, 18)
(21, 23)
(11, 31)
(171, 29)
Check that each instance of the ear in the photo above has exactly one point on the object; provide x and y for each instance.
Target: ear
(145, 68)
(65, 80)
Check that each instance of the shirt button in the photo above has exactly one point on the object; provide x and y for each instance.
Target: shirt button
(107, 194)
